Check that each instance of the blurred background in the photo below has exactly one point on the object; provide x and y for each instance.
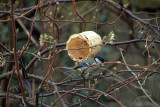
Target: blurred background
(116, 78)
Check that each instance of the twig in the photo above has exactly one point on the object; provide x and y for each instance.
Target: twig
(30, 34)
(27, 32)
(134, 17)
(3, 47)
(105, 94)
(74, 5)
(121, 13)
(139, 82)
(16, 58)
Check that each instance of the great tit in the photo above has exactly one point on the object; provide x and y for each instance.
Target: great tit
(83, 65)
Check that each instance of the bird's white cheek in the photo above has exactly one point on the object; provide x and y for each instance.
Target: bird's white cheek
(97, 60)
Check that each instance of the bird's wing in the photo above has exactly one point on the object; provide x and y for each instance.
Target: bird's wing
(80, 65)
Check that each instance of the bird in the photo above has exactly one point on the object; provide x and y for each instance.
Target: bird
(83, 65)
(86, 71)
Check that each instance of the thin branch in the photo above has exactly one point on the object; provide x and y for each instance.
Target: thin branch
(74, 5)
(3, 47)
(94, 90)
(139, 82)
(133, 16)
(27, 32)
(16, 58)
(121, 13)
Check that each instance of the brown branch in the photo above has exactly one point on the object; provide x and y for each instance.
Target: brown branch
(134, 17)
(94, 90)
(30, 34)
(74, 5)
(19, 16)
(16, 59)
(106, 43)
(3, 47)
(121, 13)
